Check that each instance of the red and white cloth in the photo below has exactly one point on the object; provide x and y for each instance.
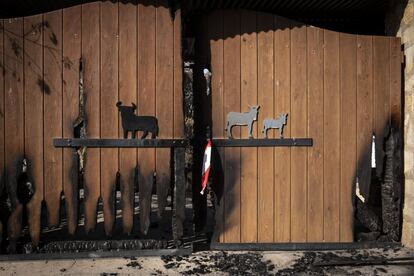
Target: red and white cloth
(206, 166)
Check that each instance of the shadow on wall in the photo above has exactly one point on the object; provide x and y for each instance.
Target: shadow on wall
(382, 189)
(20, 55)
(394, 16)
(221, 181)
(194, 22)
(4, 210)
(18, 8)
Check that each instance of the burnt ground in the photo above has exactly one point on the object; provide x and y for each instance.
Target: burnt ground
(400, 262)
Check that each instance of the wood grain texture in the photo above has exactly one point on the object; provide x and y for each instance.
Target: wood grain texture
(128, 94)
(364, 112)
(14, 118)
(90, 51)
(315, 130)
(52, 58)
(395, 82)
(265, 100)
(381, 71)
(178, 79)
(297, 122)
(164, 98)
(331, 132)
(248, 181)
(2, 117)
(215, 32)
(72, 34)
(337, 89)
(232, 103)
(348, 89)
(109, 114)
(146, 103)
(282, 101)
(33, 87)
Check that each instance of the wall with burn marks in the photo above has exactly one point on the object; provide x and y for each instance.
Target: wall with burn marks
(131, 52)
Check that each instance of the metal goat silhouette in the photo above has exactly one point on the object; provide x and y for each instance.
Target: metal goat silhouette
(278, 123)
(133, 123)
(242, 119)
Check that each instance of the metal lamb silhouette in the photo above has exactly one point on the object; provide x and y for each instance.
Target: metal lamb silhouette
(278, 123)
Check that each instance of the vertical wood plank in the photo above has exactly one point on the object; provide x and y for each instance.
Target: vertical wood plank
(164, 98)
(146, 103)
(14, 117)
(248, 155)
(331, 132)
(232, 103)
(33, 87)
(215, 28)
(2, 117)
(52, 59)
(315, 130)
(109, 112)
(178, 79)
(265, 100)
(282, 105)
(298, 120)
(395, 83)
(364, 112)
(348, 87)
(72, 32)
(381, 65)
(90, 50)
(128, 95)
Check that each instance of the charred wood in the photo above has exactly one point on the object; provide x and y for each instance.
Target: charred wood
(367, 216)
(80, 123)
(391, 188)
(179, 194)
(91, 246)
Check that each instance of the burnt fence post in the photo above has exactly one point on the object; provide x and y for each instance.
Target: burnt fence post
(178, 215)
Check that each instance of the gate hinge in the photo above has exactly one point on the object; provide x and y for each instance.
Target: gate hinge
(402, 57)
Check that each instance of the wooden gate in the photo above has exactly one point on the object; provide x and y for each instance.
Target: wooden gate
(132, 53)
(337, 88)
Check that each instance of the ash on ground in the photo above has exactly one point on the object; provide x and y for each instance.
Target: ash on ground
(248, 263)
(361, 262)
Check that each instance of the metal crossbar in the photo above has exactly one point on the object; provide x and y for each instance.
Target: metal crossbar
(178, 143)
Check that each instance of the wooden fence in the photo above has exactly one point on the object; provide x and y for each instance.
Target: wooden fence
(337, 88)
(131, 53)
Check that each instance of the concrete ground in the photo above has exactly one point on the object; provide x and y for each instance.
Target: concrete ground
(226, 263)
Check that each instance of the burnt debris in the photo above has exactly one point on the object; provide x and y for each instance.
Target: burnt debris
(379, 218)
(233, 264)
(99, 245)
